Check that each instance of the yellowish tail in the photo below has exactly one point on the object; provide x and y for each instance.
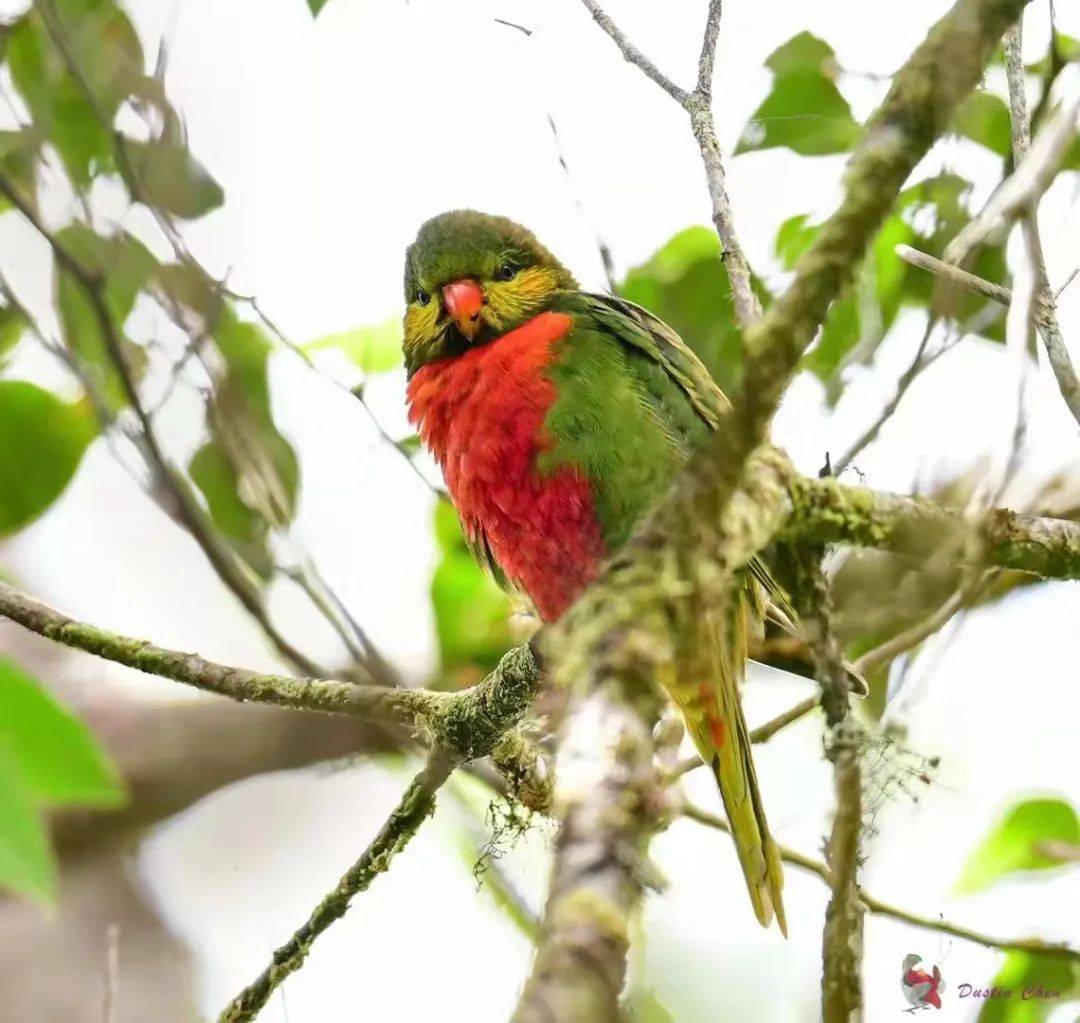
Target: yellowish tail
(707, 693)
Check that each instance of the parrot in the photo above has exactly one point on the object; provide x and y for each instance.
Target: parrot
(559, 417)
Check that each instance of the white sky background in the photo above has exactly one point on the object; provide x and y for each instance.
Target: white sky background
(333, 140)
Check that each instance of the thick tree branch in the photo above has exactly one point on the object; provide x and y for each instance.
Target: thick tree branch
(469, 724)
(831, 512)
(415, 807)
(609, 807)
(881, 908)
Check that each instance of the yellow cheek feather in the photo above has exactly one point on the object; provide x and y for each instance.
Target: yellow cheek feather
(421, 327)
(511, 302)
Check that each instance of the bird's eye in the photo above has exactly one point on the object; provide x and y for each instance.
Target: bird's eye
(506, 272)
(422, 296)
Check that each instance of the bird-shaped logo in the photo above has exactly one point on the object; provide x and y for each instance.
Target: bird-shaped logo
(920, 988)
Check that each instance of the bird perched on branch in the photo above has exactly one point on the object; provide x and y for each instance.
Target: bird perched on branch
(559, 417)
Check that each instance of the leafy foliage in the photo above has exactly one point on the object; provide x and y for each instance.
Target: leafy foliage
(170, 178)
(374, 349)
(47, 758)
(1019, 842)
(471, 612)
(125, 265)
(1031, 979)
(45, 441)
(804, 111)
(75, 109)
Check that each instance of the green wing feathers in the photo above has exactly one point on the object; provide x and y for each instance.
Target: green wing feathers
(682, 405)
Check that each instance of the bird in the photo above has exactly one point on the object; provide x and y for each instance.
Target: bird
(920, 988)
(559, 417)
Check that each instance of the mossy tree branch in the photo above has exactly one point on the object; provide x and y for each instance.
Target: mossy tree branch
(415, 807)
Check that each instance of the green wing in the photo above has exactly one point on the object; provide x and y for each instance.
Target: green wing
(685, 402)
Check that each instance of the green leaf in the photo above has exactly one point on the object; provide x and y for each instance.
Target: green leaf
(471, 612)
(169, 177)
(19, 152)
(804, 111)
(12, 324)
(126, 266)
(984, 118)
(215, 475)
(52, 437)
(1038, 985)
(1013, 844)
(27, 862)
(60, 760)
(243, 424)
(372, 349)
(76, 113)
(686, 285)
(316, 6)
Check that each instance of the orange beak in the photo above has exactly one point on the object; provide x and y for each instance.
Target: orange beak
(463, 301)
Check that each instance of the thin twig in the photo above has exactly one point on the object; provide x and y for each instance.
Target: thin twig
(882, 908)
(907, 378)
(1034, 174)
(415, 807)
(902, 642)
(954, 275)
(633, 55)
(698, 104)
(1049, 328)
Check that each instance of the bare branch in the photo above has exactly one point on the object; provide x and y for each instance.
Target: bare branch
(1049, 328)
(415, 807)
(698, 105)
(633, 55)
(1034, 174)
(881, 908)
(954, 275)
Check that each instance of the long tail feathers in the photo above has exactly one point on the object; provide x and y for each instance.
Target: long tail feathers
(707, 692)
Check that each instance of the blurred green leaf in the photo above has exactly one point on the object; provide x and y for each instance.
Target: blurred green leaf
(58, 757)
(686, 285)
(19, 151)
(1024, 972)
(44, 442)
(170, 178)
(27, 862)
(125, 265)
(1013, 844)
(215, 475)
(804, 111)
(471, 612)
(100, 40)
(316, 6)
(12, 325)
(242, 421)
(372, 349)
(984, 118)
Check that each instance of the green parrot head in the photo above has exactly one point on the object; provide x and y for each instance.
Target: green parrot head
(471, 277)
